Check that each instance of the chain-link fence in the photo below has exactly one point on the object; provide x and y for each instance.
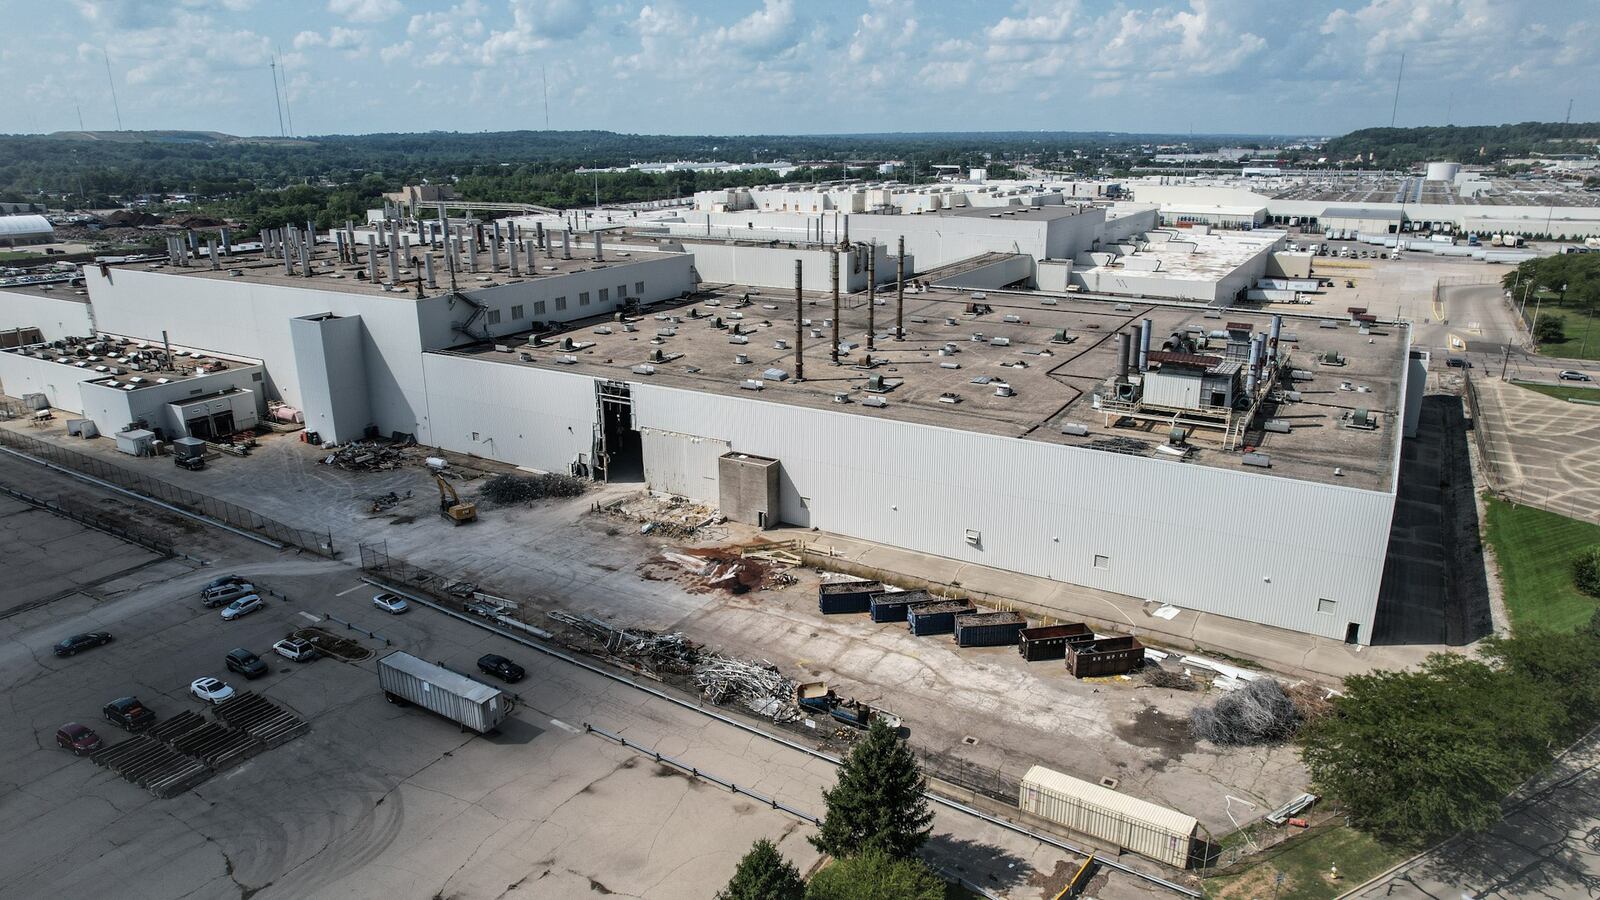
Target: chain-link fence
(239, 517)
(87, 515)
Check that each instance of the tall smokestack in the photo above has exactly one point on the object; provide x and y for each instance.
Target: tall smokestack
(227, 242)
(538, 233)
(427, 268)
(1255, 363)
(494, 252)
(599, 254)
(872, 294)
(1144, 345)
(1129, 357)
(835, 261)
(516, 270)
(305, 258)
(472, 250)
(1122, 356)
(1277, 329)
(372, 258)
(846, 239)
(900, 293)
(566, 243)
(394, 261)
(799, 329)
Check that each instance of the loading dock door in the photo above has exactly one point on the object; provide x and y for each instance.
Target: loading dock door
(211, 427)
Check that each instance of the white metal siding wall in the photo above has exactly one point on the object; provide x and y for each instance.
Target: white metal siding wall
(30, 375)
(682, 464)
(55, 317)
(1202, 538)
(1165, 389)
(522, 415)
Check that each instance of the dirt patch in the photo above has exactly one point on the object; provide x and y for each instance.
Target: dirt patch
(1262, 881)
(332, 644)
(1156, 730)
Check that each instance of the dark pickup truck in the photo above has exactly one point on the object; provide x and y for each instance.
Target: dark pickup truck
(129, 713)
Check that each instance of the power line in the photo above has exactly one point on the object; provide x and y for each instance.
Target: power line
(287, 109)
(544, 78)
(1396, 109)
(117, 108)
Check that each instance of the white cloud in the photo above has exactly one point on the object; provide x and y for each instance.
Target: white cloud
(396, 52)
(365, 10)
(349, 39)
(308, 39)
(771, 29)
(1039, 23)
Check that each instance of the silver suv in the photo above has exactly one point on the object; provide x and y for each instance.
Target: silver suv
(222, 594)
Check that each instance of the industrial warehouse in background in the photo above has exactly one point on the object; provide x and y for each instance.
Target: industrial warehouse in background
(1027, 377)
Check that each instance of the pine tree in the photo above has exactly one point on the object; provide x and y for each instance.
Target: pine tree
(877, 802)
(764, 874)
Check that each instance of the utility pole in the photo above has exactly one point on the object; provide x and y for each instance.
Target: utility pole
(835, 260)
(799, 325)
(275, 98)
(900, 294)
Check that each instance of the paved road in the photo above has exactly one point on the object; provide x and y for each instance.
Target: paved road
(1548, 845)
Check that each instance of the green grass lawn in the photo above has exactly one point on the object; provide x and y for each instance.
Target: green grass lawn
(1562, 391)
(1535, 549)
(1582, 332)
(1304, 864)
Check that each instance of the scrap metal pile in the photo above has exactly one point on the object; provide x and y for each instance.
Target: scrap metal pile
(672, 517)
(506, 490)
(758, 686)
(1260, 712)
(366, 456)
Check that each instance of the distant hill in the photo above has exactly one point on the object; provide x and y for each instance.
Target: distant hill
(1399, 147)
(165, 137)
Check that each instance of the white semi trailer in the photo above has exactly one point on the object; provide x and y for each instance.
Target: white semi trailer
(465, 701)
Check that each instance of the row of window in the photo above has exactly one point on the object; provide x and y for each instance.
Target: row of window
(561, 302)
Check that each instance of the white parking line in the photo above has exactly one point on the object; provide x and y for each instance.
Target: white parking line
(310, 616)
(565, 727)
(349, 590)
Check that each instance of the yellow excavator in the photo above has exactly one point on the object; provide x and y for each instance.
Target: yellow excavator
(451, 506)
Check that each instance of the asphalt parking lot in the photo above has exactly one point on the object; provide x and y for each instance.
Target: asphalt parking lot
(1542, 451)
(385, 801)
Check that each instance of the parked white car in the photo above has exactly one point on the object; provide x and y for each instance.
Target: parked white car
(243, 606)
(210, 690)
(295, 650)
(393, 604)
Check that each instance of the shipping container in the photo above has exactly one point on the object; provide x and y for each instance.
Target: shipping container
(846, 596)
(991, 629)
(891, 606)
(1129, 823)
(1050, 641)
(465, 701)
(1114, 655)
(936, 618)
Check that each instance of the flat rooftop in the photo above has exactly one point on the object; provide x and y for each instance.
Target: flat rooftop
(1193, 255)
(131, 363)
(61, 287)
(1017, 211)
(1355, 190)
(949, 369)
(331, 274)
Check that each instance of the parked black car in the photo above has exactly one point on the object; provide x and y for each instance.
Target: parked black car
(224, 579)
(79, 642)
(129, 713)
(245, 663)
(500, 667)
(192, 463)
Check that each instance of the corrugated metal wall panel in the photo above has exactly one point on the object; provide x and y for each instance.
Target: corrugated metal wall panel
(1049, 510)
(1128, 822)
(531, 417)
(682, 464)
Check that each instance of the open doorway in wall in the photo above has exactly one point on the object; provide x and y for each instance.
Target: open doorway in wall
(618, 448)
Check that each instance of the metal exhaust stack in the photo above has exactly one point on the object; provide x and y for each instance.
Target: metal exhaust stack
(872, 294)
(494, 254)
(1255, 362)
(835, 353)
(394, 262)
(799, 320)
(900, 294)
(472, 251)
(566, 243)
(846, 239)
(538, 233)
(305, 258)
(427, 267)
(1123, 342)
(516, 270)
(1277, 329)
(372, 258)
(227, 242)
(599, 254)
(1144, 345)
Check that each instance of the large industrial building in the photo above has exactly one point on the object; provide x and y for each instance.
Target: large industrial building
(1150, 441)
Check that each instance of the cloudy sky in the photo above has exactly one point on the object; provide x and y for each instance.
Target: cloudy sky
(795, 66)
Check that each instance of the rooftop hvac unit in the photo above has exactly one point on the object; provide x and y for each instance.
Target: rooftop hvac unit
(949, 365)
(876, 385)
(1000, 342)
(1260, 460)
(1014, 320)
(775, 374)
(780, 344)
(738, 339)
(1001, 389)
(841, 397)
(1363, 419)
(1279, 426)
(644, 370)
(751, 384)
(1076, 429)
(876, 402)
(567, 360)
(1048, 301)
(948, 397)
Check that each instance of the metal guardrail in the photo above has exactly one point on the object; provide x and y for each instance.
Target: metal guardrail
(154, 488)
(351, 626)
(540, 647)
(67, 509)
